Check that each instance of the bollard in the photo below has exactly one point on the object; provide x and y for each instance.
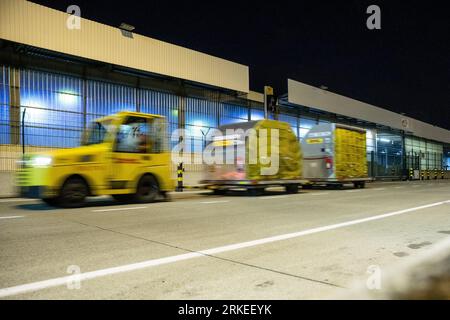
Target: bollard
(442, 174)
(422, 175)
(411, 174)
(428, 174)
(180, 171)
(435, 174)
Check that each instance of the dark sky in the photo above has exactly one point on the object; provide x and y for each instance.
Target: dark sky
(405, 67)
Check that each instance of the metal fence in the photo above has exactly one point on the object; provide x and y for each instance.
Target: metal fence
(55, 109)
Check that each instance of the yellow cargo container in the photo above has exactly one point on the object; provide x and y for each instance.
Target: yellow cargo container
(350, 153)
(251, 167)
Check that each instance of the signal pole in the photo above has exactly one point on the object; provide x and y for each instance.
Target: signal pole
(268, 99)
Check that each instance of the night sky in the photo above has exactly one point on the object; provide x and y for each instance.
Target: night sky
(405, 67)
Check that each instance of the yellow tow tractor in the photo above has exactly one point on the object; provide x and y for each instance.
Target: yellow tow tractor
(123, 155)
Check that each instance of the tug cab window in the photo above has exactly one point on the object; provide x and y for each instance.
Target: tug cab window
(133, 136)
(141, 135)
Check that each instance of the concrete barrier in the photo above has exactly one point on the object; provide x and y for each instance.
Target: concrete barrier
(7, 185)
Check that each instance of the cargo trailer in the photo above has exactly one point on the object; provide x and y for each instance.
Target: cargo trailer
(238, 171)
(335, 154)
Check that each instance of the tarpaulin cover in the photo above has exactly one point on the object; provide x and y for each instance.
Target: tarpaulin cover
(289, 152)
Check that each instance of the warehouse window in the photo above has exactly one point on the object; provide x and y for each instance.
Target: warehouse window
(430, 154)
(389, 158)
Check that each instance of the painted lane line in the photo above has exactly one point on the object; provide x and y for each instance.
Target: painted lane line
(399, 187)
(272, 197)
(17, 200)
(379, 189)
(12, 217)
(319, 194)
(119, 209)
(40, 285)
(213, 202)
(353, 191)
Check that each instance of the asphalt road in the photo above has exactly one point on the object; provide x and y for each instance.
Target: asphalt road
(313, 245)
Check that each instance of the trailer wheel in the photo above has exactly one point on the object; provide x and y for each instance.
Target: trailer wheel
(219, 192)
(291, 188)
(335, 186)
(73, 193)
(147, 189)
(359, 184)
(254, 192)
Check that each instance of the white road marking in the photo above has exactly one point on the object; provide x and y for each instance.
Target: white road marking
(272, 197)
(415, 186)
(379, 189)
(119, 209)
(399, 187)
(11, 217)
(318, 194)
(17, 200)
(185, 192)
(213, 202)
(40, 285)
(352, 191)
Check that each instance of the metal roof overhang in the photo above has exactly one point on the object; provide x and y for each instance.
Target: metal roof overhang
(301, 94)
(41, 27)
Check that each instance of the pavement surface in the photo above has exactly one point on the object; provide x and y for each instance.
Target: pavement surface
(313, 245)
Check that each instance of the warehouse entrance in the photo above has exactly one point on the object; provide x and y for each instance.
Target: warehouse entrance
(389, 158)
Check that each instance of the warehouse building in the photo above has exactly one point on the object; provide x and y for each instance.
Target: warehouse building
(54, 80)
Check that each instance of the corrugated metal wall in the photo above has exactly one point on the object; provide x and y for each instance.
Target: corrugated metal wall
(58, 107)
(53, 106)
(4, 105)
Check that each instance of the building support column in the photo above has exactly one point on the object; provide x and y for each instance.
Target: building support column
(181, 140)
(84, 97)
(14, 106)
(405, 169)
(138, 95)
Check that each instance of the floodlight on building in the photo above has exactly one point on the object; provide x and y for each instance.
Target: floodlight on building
(126, 27)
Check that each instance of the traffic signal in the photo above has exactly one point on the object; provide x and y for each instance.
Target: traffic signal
(271, 103)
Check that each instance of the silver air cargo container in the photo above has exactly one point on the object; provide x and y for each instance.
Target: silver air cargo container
(335, 154)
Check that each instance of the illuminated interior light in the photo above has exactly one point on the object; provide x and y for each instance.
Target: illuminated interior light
(67, 98)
